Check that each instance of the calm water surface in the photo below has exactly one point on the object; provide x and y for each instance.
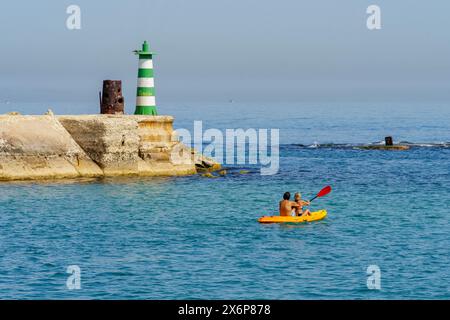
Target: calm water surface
(193, 237)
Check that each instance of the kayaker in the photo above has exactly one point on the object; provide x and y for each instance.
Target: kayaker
(299, 210)
(287, 206)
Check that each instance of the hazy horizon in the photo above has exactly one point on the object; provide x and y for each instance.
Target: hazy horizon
(249, 51)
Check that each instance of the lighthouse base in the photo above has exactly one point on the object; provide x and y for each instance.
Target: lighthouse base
(146, 111)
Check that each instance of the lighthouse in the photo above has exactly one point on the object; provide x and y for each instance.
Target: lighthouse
(145, 96)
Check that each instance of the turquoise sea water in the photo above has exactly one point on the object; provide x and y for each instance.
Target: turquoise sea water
(193, 237)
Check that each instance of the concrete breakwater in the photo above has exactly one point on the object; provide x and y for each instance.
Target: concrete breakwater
(52, 147)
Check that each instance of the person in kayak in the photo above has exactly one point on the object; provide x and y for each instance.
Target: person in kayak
(287, 206)
(299, 210)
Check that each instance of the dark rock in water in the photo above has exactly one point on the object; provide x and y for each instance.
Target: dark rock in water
(205, 164)
(209, 175)
(383, 147)
(388, 145)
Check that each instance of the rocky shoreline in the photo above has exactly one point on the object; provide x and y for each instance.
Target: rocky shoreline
(76, 146)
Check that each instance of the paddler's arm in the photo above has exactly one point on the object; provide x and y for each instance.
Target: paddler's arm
(294, 204)
(306, 203)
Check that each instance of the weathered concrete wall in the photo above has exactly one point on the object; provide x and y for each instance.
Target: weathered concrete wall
(128, 145)
(159, 148)
(47, 147)
(38, 147)
(111, 141)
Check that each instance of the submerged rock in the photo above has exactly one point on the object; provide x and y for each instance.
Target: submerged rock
(205, 164)
(209, 175)
(384, 147)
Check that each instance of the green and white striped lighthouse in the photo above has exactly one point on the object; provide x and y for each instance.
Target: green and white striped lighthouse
(145, 97)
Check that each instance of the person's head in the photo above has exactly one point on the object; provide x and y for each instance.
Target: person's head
(286, 196)
(297, 196)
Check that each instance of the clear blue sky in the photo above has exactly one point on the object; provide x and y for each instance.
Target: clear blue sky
(212, 51)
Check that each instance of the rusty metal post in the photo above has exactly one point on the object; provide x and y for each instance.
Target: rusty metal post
(112, 101)
(388, 141)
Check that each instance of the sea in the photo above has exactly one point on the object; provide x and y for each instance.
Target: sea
(386, 236)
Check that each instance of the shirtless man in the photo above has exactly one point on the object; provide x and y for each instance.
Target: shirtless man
(286, 206)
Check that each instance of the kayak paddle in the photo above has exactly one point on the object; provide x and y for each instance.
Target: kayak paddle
(322, 193)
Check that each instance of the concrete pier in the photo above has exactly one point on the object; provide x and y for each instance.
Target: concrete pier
(51, 147)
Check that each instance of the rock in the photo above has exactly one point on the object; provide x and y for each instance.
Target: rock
(203, 163)
(208, 162)
(222, 172)
(384, 147)
(209, 175)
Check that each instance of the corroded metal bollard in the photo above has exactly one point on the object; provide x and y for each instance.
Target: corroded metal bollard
(388, 141)
(112, 101)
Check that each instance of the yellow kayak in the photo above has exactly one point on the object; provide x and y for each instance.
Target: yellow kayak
(315, 216)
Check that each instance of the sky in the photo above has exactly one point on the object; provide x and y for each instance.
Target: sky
(255, 51)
